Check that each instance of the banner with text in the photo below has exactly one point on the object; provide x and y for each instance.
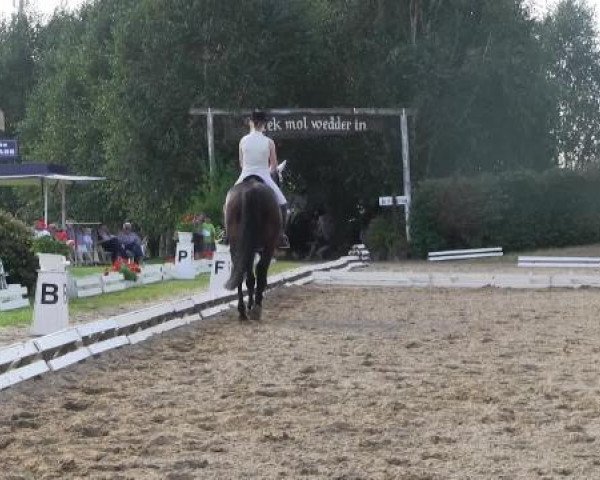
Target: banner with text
(311, 125)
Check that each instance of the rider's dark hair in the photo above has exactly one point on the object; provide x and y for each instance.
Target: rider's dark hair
(258, 117)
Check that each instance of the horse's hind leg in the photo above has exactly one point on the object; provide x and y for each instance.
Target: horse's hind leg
(241, 305)
(250, 283)
(261, 281)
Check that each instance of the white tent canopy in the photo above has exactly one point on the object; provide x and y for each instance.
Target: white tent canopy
(45, 180)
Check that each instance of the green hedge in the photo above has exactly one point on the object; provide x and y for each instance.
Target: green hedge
(386, 236)
(50, 245)
(16, 251)
(517, 211)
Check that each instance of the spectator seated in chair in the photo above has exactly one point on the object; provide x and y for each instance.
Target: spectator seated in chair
(110, 243)
(131, 243)
(85, 245)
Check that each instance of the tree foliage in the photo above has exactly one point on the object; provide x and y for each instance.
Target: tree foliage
(107, 91)
(571, 41)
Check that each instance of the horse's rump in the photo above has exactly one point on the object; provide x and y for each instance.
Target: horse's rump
(253, 224)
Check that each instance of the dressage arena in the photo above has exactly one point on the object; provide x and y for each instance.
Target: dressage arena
(335, 382)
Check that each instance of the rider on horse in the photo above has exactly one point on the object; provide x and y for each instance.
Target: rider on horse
(258, 158)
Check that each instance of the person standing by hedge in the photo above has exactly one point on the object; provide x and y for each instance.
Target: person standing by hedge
(209, 236)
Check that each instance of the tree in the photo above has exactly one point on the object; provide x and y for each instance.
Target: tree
(17, 40)
(570, 37)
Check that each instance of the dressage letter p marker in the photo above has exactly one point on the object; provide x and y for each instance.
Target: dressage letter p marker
(182, 254)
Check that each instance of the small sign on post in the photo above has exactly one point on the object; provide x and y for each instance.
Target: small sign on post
(392, 201)
(397, 201)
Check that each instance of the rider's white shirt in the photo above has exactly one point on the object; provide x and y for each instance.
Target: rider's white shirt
(255, 161)
(255, 153)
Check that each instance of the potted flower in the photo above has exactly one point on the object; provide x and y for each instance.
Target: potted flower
(185, 227)
(127, 267)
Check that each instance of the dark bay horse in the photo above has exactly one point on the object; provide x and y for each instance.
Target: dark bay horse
(253, 226)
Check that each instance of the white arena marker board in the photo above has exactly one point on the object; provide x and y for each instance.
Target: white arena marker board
(57, 340)
(574, 281)
(16, 352)
(464, 254)
(98, 327)
(89, 286)
(142, 335)
(559, 262)
(113, 282)
(7, 379)
(12, 377)
(13, 298)
(209, 312)
(150, 274)
(69, 359)
(53, 346)
(183, 306)
(105, 345)
(455, 280)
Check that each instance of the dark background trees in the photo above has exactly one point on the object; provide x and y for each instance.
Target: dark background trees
(107, 91)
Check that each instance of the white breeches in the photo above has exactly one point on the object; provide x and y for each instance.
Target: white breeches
(266, 177)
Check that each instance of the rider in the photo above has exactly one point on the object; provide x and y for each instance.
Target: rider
(258, 157)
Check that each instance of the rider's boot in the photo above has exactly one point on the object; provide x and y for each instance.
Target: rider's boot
(284, 241)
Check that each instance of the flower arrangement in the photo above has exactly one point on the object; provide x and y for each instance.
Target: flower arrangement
(127, 267)
(187, 223)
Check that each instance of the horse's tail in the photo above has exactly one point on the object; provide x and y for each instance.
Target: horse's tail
(246, 242)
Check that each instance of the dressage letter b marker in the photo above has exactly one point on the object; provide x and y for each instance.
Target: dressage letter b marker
(49, 294)
(51, 310)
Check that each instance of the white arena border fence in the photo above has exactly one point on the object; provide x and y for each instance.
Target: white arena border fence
(99, 283)
(457, 280)
(559, 262)
(56, 351)
(464, 254)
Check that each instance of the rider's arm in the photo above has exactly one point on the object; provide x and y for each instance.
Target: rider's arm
(241, 155)
(272, 156)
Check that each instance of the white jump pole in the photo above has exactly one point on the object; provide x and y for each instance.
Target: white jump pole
(45, 188)
(406, 170)
(63, 205)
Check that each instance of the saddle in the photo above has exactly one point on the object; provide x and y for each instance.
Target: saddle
(255, 178)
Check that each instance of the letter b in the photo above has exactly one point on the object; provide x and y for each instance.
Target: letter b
(49, 294)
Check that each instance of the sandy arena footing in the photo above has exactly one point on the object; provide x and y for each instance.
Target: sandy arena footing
(342, 383)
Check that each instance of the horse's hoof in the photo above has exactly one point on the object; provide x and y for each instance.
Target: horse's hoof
(255, 313)
(243, 317)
